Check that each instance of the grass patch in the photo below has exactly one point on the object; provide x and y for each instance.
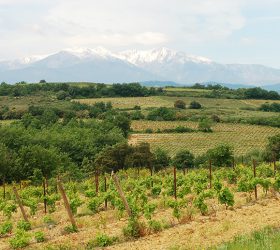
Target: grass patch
(267, 238)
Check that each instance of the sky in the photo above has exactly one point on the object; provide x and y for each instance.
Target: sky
(226, 31)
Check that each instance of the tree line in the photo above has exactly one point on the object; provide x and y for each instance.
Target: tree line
(87, 90)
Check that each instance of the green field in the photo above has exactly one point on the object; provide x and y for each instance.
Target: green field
(244, 138)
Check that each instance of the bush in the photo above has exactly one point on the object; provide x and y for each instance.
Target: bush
(180, 104)
(20, 240)
(195, 105)
(137, 115)
(6, 228)
(24, 225)
(155, 226)
(61, 95)
(162, 114)
(156, 190)
(39, 237)
(226, 197)
(70, 229)
(93, 204)
(205, 126)
(134, 229)
(101, 240)
(149, 131)
(179, 129)
(137, 107)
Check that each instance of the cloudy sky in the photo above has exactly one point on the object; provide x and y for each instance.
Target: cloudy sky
(227, 31)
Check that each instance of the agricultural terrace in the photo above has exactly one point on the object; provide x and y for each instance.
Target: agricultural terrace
(167, 101)
(244, 138)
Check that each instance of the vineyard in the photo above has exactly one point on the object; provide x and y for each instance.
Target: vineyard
(165, 101)
(114, 209)
(244, 138)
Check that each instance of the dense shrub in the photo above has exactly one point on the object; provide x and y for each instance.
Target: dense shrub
(161, 114)
(195, 105)
(180, 104)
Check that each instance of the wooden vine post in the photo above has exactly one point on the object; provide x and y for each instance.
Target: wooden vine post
(66, 204)
(4, 188)
(120, 191)
(175, 182)
(45, 193)
(96, 182)
(105, 189)
(20, 204)
(274, 166)
(254, 169)
(210, 173)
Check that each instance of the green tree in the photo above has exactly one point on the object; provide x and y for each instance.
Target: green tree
(183, 159)
(48, 160)
(273, 147)
(7, 158)
(162, 159)
(123, 122)
(221, 155)
(162, 114)
(205, 125)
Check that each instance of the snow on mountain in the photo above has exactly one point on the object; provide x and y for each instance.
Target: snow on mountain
(162, 55)
(101, 65)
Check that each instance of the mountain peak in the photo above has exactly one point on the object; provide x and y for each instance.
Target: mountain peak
(88, 52)
(162, 64)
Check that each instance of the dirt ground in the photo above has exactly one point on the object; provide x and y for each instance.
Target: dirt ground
(200, 233)
(204, 232)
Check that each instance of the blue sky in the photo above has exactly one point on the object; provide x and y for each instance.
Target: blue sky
(226, 31)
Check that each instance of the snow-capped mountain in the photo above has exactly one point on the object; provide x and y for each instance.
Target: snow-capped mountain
(102, 65)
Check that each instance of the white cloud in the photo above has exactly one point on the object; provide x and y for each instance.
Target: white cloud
(44, 26)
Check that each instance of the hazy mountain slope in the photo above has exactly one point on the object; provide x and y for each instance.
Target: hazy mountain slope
(101, 65)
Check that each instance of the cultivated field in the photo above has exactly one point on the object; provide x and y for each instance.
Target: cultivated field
(244, 138)
(167, 101)
(198, 218)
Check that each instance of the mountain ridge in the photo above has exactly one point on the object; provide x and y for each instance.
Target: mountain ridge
(163, 64)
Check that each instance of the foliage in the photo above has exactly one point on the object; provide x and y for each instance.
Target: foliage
(183, 159)
(24, 225)
(101, 240)
(70, 229)
(205, 125)
(226, 197)
(134, 229)
(6, 228)
(221, 155)
(20, 240)
(195, 105)
(161, 114)
(180, 104)
(39, 236)
(154, 226)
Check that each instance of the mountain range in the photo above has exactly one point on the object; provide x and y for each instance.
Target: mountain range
(156, 65)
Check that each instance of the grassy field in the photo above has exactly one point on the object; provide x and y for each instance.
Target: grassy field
(244, 138)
